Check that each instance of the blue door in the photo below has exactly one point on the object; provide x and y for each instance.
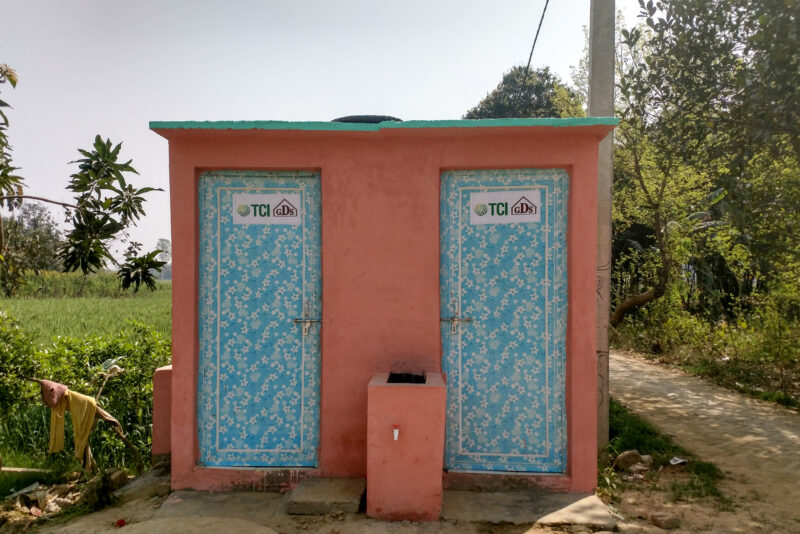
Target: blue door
(259, 312)
(504, 316)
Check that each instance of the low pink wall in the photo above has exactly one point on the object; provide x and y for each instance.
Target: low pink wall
(404, 476)
(380, 234)
(162, 408)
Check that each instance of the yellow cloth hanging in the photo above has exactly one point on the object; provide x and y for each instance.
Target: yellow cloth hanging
(82, 409)
(57, 424)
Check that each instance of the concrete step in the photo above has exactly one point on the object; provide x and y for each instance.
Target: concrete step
(320, 496)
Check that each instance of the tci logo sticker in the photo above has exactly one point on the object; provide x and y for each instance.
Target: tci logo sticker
(254, 208)
(505, 207)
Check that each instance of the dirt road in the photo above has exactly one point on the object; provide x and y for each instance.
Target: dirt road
(757, 444)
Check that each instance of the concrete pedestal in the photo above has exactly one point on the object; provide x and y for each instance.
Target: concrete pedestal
(162, 407)
(404, 475)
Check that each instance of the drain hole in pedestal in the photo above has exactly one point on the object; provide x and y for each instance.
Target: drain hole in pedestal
(406, 378)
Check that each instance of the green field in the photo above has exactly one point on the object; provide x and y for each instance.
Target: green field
(47, 318)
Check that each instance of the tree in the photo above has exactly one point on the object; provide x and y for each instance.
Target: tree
(543, 95)
(32, 240)
(657, 187)
(106, 206)
(165, 246)
(710, 99)
(32, 228)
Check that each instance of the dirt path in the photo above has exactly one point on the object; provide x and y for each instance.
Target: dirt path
(757, 444)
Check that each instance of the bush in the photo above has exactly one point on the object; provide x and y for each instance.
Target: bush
(16, 361)
(662, 326)
(78, 364)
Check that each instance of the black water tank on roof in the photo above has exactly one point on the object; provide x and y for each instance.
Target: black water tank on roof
(367, 119)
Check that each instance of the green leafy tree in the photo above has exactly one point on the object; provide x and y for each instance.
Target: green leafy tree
(106, 206)
(534, 94)
(32, 240)
(714, 86)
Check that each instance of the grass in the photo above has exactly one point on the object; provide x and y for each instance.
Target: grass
(82, 317)
(703, 478)
(628, 431)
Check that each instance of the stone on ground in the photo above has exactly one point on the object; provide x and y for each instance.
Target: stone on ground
(151, 484)
(588, 511)
(627, 459)
(320, 496)
(665, 521)
(117, 479)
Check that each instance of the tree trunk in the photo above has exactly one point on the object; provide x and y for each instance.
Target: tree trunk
(634, 301)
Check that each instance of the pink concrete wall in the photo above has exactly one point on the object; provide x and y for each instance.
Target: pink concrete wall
(162, 407)
(380, 234)
(404, 476)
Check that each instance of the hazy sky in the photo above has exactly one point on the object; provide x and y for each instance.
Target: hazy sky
(110, 67)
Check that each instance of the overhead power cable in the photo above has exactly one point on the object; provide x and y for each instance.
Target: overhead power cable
(530, 56)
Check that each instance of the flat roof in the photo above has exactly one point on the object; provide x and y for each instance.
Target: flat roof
(372, 127)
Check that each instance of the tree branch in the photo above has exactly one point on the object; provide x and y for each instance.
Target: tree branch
(637, 171)
(633, 301)
(41, 199)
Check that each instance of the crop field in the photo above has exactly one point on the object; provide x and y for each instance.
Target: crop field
(102, 312)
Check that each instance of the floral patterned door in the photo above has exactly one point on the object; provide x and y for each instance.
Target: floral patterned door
(259, 312)
(504, 315)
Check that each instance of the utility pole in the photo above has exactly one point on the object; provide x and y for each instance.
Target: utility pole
(601, 104)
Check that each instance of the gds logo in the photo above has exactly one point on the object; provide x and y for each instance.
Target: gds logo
(523, 206)
(285, 209)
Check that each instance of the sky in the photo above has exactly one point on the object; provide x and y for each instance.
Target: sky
(107, 67)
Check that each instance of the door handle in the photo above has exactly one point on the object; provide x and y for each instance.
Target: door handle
(455, 322)
(306, 323)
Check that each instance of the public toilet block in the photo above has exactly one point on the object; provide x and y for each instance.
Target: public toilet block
(312, 259)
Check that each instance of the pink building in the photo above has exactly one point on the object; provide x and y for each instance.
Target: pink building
(308, 258)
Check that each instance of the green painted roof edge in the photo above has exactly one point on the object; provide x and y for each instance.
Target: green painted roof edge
(388, 125)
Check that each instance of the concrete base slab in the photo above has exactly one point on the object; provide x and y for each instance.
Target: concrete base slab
(258, 507)
(197, 525)
(526, 507)
(320, 496)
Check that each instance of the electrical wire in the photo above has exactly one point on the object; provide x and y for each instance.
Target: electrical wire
(530, 56)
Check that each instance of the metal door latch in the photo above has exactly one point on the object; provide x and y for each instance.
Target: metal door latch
(306, 323)
(455, 321)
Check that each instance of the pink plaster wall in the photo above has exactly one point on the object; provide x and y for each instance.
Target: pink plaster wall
(162, 406)
(404, 476)
(380, 236)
